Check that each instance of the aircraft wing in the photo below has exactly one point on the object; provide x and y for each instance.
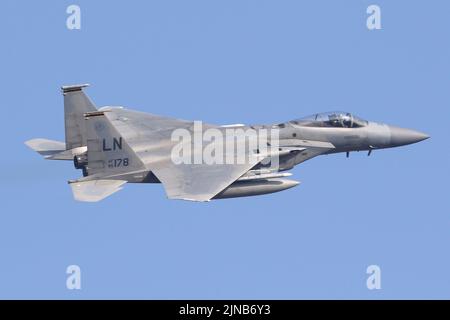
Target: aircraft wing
(150, 138)
(200, 182)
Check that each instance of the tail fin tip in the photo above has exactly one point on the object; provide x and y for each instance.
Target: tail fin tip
(74, 87)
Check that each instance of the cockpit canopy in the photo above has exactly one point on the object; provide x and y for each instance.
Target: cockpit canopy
(337, 119)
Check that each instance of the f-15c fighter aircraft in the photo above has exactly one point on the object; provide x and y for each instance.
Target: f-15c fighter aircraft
(197, 161)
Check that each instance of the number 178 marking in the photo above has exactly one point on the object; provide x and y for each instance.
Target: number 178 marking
(114, 163)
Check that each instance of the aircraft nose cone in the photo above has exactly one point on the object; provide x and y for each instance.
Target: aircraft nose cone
(402, 136)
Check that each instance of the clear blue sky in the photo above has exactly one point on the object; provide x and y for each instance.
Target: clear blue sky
(230, 62)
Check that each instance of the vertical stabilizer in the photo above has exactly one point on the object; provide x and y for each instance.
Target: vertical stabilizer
(76, 104)
(107, 151)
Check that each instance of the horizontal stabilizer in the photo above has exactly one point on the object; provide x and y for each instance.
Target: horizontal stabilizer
(46, 147)
(95, 190)
(54, 150)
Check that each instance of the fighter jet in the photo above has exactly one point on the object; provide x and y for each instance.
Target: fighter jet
(115, 145)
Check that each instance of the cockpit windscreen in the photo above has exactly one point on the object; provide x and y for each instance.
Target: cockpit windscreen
(337, 119)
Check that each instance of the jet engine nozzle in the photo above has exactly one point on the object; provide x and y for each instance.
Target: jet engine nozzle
(80, 160)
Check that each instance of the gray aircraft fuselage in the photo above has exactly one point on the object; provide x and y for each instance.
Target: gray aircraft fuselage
(366, 136)
(373, 136)
(346, 132)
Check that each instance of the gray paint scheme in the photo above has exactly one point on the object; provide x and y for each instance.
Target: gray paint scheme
(145, 141)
